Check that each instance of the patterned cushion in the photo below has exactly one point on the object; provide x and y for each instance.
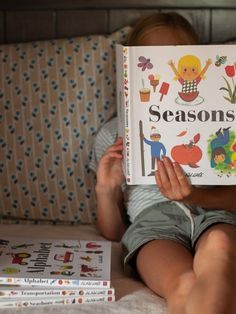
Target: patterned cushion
(54, 96)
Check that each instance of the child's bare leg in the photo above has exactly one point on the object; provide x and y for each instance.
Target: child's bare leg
(215, 270)
(167, 268)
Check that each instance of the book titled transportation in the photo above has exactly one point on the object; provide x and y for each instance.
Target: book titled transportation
(55, 262)
(26, 292)
(16, 303)
(180, 102)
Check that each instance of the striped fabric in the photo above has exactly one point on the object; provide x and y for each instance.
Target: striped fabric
(137, 197)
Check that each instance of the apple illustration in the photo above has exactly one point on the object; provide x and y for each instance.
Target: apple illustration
(233, 147)
(188, 154)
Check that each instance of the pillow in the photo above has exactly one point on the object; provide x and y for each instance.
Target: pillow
(54, 96)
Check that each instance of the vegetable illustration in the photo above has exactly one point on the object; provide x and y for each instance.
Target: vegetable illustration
(188, 154)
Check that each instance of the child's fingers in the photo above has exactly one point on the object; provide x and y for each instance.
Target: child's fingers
(162, 173)
(183, 180)
(109, 155)
(158, 180)
(168, 173)
(119, 140)
(115, 148)
(171, 180)
(169, 168)
(115, 155)
(179, 173)
(118, 145)
(176, 174)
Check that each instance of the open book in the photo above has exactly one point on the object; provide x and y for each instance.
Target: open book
(178, 101)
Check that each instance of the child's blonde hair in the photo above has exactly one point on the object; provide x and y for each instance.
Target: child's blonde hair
(155, 21)
(189, 61)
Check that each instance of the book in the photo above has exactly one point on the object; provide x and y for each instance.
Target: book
(11, 302)
(25, 292)
(55, 262)
(180, 102)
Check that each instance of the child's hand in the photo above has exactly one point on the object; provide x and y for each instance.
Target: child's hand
(171, 63)
(110, 173)
(172, 181)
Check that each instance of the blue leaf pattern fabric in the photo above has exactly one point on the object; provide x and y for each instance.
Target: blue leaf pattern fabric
(54, 96)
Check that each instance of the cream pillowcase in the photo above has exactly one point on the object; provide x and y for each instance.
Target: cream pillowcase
(54, 96)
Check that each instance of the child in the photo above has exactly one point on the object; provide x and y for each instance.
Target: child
(218, 153)
(182, 252)
(219, 157)
(189, 74)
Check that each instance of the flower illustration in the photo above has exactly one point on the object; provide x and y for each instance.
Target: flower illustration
(230, 71)
(231, 90)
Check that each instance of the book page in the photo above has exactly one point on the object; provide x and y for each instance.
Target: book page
(182, 104)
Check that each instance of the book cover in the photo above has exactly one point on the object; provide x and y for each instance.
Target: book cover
(25, 292)
(180, 102)
(16, 303)
(55, 262)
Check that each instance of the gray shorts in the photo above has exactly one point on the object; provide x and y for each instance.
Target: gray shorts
(168, 221)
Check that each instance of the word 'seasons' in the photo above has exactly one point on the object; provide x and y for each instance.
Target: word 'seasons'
(191, 115)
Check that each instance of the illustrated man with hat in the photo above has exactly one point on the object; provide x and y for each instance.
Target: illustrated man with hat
(157, 148)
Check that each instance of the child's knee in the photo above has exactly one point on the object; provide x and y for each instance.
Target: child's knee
(183, 284)
(181, 287)
(220, 243)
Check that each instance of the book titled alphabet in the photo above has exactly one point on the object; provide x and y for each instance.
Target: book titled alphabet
(48, 272)
(55, 263)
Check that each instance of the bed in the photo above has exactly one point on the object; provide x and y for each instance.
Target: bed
(50, 113)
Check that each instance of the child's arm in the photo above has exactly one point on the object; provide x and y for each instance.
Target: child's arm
(172, 65)
(110, 208)
(174, 185)
(208, 63)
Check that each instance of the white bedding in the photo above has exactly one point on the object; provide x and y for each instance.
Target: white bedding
(131, 294)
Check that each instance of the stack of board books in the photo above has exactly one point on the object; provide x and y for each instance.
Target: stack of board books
(44, 272)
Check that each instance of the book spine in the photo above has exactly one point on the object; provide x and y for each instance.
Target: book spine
(55, 282)
(127, 119)
(11, 303)
(26, 293)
